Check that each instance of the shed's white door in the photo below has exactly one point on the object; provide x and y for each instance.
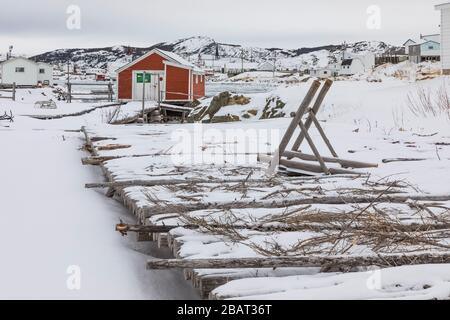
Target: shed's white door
(150, 83)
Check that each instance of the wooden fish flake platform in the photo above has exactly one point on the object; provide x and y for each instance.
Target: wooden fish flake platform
(225, 222)
(271, 216)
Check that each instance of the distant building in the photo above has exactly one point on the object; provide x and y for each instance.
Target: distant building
(179, 80)
(393, 55)
(346, 65)
(266, 66)
(408, 43)
(427, 48)
(25, 72)
(445, 36)
(323, 73)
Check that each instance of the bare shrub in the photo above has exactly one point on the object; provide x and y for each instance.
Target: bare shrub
(109, 116)
(425, 102)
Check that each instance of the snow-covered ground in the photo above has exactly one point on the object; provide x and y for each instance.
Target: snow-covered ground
(56, 234)
(54, 223)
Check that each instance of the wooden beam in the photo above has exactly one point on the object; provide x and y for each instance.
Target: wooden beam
(76, 114)
(160, 182)
(322, 134)
(335, 200)
(310, 141)
(298, 116)
(325, 262)
(89, 144)
(415, 227)
(323, 92)
(312, 167)
(342, 162)
(167, 182)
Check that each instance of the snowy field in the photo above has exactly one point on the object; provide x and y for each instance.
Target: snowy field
(63, 225)
(58, 230)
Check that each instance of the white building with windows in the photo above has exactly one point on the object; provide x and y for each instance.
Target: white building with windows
(426, 48)
(25, 72)
(347, 64)
(445, 36)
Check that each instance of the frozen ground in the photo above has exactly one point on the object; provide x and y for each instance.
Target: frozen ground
(53, 222)
(53, 227)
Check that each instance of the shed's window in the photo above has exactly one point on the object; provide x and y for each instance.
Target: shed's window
(20, 69)
(41, 71)
(430, 47)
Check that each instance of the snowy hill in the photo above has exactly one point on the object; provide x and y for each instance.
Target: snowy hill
(206, 51)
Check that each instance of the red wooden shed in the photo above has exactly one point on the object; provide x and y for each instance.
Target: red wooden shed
(180, 80)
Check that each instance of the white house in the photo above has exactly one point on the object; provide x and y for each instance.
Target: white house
(321, 73)
(408, 43)
(356, 63)
(427, 48)
(347, 64)
(445, 36)
(424, 50)
(25, 72)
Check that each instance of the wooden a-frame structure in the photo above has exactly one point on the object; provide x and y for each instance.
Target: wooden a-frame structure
(294, 159)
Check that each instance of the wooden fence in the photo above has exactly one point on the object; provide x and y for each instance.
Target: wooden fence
(10, 88)
(94, 95)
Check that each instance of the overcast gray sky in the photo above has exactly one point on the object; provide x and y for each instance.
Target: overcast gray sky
(37, 26)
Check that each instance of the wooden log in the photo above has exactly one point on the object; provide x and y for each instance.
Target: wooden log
(342, 162)
(90, 146)
(96, 139)
(403, 160)
(312, 167)
(76, 114)
(323, 92)
(168, 182)
(310, 141)
(324, 262)
(98, 160)
(298, 116)
(111, 192)
(154, 210)
(322, 133)
(163, 229)
(109, 147)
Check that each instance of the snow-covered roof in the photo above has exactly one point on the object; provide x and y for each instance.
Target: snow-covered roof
(423, 41)
(26, 59)
(177, 58)
(171, 56)
(409, 40)
(442, 6)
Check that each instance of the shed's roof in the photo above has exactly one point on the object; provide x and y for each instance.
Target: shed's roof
(171, 56)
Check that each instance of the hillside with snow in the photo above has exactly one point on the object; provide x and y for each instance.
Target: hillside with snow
(207, 52)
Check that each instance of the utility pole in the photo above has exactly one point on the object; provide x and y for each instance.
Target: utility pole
(69, 88)
(159, 93)
(344, 47)
(274, 63)
(143, 97)
(9, 54)
(242, 60)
